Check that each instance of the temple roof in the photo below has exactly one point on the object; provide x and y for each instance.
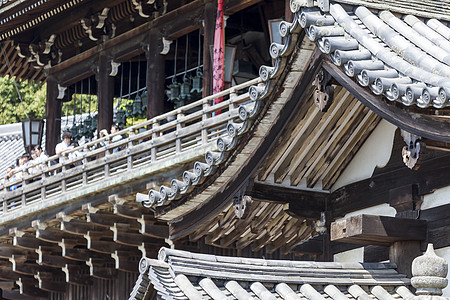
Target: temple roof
(179, 274)
(404, 58)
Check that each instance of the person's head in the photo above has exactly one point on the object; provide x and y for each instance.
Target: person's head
(103, 133)
(9, 171)
(25, 157)
(37, 150)
(66, 136)
(33, 154)
(115, 128)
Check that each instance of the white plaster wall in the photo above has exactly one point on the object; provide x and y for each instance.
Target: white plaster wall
(375, 152)
(437, 198)
(355, 255)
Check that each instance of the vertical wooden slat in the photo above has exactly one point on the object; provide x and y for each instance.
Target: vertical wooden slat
(154, 136)
(129, 146)
(205, 116)
(179, 126)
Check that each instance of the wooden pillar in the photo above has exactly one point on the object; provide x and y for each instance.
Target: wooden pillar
(155, 76)
(402, 253)
(105, 94)
(208, 39)
(53, 116)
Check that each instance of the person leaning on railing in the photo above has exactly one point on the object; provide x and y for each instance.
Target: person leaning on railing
(115, 128)
(38, 158)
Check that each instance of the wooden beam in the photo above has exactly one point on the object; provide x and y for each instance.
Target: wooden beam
(126, 260)
(376, 190)
(76, 275)
(377, 230)
(298, 203)
(107, 220)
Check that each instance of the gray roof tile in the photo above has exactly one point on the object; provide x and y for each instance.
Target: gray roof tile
(185, 275)
(406, 60)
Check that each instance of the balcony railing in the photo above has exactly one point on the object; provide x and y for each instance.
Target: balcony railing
(160, 142)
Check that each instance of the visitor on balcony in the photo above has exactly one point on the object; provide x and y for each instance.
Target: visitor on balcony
(38, 158)
(10, 176)
(22, 166)
(65, 144)
(115, 128)
(103, 133)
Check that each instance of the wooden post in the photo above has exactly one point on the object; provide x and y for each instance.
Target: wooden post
(208, 39)
(402, 253)
(105, 94)
(53, 116)
(155, 75)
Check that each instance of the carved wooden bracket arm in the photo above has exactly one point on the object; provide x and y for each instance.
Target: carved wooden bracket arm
(324, 92)
(411, 152)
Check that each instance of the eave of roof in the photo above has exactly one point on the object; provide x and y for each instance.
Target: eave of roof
(182, 274)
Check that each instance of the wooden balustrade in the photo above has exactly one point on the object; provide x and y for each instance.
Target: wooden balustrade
(188, 128)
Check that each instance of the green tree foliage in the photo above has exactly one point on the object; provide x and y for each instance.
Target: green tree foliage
(33, 100)
(83, 104)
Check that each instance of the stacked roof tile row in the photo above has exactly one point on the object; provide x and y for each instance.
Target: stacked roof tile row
(184, 275)
(406, 60)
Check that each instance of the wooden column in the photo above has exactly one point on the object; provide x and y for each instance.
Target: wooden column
(155, 75)
(53, 116)
(208, 39)
(105, 94)
(402, 253)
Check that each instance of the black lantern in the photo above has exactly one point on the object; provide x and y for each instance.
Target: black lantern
(185, 88)
(137, 106)
(197, 85)
(174, 90)
(120, 116)
(32, 131)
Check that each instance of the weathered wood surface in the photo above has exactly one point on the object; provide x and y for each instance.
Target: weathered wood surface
(377, 230)
(165, 145)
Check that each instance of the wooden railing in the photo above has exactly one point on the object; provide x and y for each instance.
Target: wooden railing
(161, 139)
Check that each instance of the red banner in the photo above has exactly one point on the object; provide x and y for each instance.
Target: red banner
(219, 49)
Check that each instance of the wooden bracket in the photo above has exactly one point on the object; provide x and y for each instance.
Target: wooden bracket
(241, 201)
(378, 230)
(411, 152)
(324, 93)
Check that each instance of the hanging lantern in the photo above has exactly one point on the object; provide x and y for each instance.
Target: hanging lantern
(120, 116)
(144, 98)
(137, 106)
(129, 108)
(94, 123)
(88, 122)
(185, 88)
(32, 131)
(174, 91)
(197, 82)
